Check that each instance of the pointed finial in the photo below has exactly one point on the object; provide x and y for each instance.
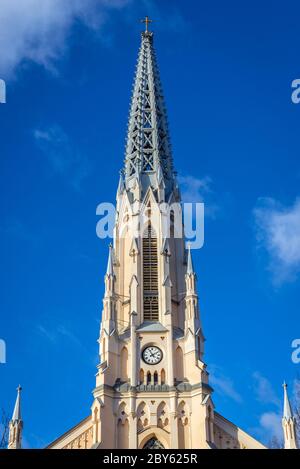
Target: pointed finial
(146, 20)
(110, 266)
(287, 409)
(190, 268)
(160, 174)
(17, 409)
(121, 183)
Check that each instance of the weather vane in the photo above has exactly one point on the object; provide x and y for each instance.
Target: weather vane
(146, 21)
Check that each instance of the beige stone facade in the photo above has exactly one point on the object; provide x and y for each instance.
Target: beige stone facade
(135, 402)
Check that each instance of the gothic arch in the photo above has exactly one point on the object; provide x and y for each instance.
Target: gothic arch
(142, 376)
(143, 415)
(153, 443)
(163, 416)
(179, 369)
(122, 426)
(124, 364)
(158, 433)
(183, 422)
(122, 411)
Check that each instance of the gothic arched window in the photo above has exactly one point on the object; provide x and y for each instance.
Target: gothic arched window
(150, 275)
(153, 443)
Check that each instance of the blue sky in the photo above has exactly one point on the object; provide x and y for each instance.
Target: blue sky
(226, 69)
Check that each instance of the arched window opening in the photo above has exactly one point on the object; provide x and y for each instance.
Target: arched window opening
(124, 364)
(150, 275)
(179, 364)
(142, 376)
(172, 224)
(148, 377)
(155, 377)
(163, 377)
(153, 443)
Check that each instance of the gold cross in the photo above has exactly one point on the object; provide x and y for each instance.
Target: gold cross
(146, 21)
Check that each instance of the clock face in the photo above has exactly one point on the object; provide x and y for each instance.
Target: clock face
(152, 355)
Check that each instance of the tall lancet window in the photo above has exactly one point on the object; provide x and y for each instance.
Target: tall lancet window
(150, 275)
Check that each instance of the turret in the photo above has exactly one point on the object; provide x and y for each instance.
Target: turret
(16, 424)
(288, 423)
(109, 297)
(191, 299)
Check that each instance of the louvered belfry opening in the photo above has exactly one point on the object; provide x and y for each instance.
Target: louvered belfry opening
(150, 275)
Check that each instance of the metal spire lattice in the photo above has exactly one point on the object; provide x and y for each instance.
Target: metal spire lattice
(148, 144)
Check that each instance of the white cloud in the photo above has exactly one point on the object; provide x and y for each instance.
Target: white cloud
(57, 333)
(50, 335)
(38, 30)
(278, 232)
(270, 428)
(223, 385)
(62, 155)
(264, 390)
(270, 423)
(199, 190)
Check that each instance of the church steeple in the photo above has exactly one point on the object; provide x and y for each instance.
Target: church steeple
(288, 423)
(152, 387)
(16, 424)
(148, 155)
(151, 338)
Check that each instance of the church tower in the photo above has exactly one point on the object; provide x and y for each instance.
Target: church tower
(16, 424)
(288, 423)
(152, 388)
(152, 385)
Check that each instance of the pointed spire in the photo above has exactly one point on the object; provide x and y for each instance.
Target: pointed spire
(148, 149)
(287, 409)
(121, 185)
(159, 175)
(17, 410)
(110, 265)
(16, 424)
(190, 268)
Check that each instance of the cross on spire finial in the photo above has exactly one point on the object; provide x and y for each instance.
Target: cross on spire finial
(146, 21)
